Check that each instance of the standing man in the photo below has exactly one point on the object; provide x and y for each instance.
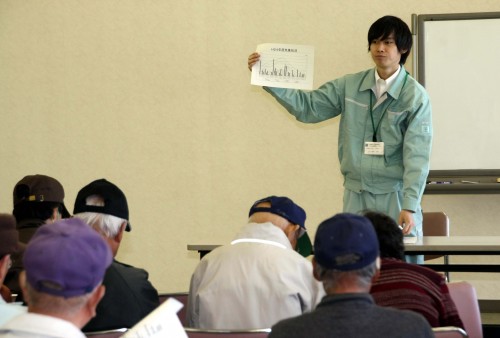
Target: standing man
(259, 278)
(346, 260)
(385, 127)
(129, 294)
(64, 265)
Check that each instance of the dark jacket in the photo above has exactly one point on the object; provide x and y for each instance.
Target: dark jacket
(27, 229)
(353, 316)
(129, 298)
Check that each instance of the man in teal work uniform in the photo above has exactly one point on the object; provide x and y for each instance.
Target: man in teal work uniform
(385, 127)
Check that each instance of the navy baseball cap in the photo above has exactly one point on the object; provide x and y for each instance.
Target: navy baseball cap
(66, 258)
(286, 208)
(115, 202)
(346, 242)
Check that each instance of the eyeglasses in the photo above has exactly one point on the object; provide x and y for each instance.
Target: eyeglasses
(300, 231)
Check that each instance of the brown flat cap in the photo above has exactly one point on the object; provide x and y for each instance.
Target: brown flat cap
(9, 237)
(40, 188)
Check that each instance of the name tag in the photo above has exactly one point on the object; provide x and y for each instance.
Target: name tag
(374, 148)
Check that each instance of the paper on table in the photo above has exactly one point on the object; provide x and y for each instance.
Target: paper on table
(284, 66)
(410, 239)
(163, 322)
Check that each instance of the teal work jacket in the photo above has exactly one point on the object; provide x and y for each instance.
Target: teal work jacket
(404, 125)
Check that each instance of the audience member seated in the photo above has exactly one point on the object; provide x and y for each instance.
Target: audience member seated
(129, 294)
(37, 199)
(346, 259)
(9, 245)
(409, 286)
(64, 265)
(259, 278)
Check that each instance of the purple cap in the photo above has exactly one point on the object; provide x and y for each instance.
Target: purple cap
(346, 242)
(66, 258)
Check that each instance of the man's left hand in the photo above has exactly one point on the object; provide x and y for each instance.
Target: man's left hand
(406, 221)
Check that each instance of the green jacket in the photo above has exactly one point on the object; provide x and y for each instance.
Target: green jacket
(405, 129)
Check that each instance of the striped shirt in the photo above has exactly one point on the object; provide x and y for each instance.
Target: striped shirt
(412, 287)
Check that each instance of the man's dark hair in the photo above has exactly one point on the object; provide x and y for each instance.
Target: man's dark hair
(390, 236)
(387, 25)
(34, 210)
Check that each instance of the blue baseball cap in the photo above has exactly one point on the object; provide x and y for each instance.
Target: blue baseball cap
(286, 208)
(346, 242)
(281, 206)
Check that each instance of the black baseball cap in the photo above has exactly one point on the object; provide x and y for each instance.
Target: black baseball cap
(115, 202)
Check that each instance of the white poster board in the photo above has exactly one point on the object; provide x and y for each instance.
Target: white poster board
(459, 65)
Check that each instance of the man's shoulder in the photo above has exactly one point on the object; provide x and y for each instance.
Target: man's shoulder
(416, 89)
(38, 325)
(428, 273)
(9, 311)
(393, 320)
(121, 278)
(358, 76)
(402, 316)
(119, 268)
(232, 252)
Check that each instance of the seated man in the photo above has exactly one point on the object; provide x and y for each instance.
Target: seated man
(129, 294)
(8, 245)
(37, 200)
(409, 286)
(64, 265)
(259, 278)
(346, 259)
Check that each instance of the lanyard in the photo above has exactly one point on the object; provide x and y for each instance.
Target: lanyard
(375, 129)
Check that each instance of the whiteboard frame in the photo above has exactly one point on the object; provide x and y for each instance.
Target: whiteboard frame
(422, 18)
(487, 177)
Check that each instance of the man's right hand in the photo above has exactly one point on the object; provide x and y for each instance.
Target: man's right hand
(253, 59)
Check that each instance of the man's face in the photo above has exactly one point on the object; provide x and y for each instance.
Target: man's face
(385, 54)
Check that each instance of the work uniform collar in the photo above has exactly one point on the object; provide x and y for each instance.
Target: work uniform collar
(395, 86)
(382, 86)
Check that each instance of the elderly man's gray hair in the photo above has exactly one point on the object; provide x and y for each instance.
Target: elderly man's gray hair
(108, 225)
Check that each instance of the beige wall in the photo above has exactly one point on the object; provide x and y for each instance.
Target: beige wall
(155, 96)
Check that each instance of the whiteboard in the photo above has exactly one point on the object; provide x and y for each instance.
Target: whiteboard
(459, 65)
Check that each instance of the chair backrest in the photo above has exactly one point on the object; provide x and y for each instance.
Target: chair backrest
(181, 297)
(435, 223)
(199, 333)
(449, 332)
(106, 334)
(465, 298)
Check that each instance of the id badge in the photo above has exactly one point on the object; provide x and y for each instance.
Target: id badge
(374, 148)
